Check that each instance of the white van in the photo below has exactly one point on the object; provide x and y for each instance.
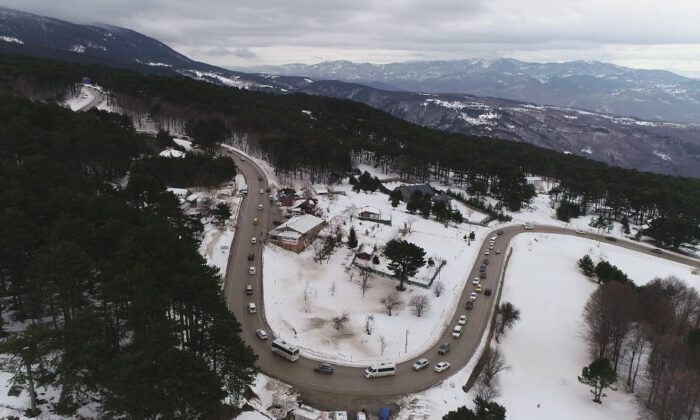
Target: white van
(380, 369)
(457, 331)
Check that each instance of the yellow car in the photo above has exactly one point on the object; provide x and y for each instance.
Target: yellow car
(255, 221)
(478, 288)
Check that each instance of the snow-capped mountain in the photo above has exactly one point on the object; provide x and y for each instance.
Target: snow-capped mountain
(590, 85)
(642, 144)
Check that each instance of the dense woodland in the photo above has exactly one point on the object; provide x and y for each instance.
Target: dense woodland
(107, 296)
(325, 141)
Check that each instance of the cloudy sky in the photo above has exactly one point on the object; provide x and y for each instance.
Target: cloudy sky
(233, 33)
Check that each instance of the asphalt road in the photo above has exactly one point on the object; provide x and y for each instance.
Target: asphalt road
(348, 383)
(97, 97)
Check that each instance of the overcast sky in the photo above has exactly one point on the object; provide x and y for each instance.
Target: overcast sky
(232, 33)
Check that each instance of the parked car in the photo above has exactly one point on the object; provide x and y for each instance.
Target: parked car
(325, 368)
(462, 320)
(476, 281)
(255, 220)
(482, 268)
(486, 261)
(472, 296)
(482, 275)
(469, 305)
(444, 348)
(252, 308)
(242, 159)
(249, 289)
(491, 246)
(262, 191)
(442, 366)
(457, 331)
(487, 252)
(261, 334)
(499, 233)
(657, 251)
(487, 292)
(259, 178)
(251, 256)
(478, 288)
(611, 239)
(277, 222)
(253, 240)
(251, 270)
(260, 206)
(420, 364)
(498, 250)
(361, 416)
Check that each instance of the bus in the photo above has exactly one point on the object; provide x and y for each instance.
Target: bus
(285, 350)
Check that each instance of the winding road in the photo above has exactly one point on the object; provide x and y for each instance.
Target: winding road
(348, 385)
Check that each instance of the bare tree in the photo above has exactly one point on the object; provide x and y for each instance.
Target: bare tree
(506, 316)
(419, 304)
(365, 281)
(332, 288)
(382, 344)
(608, 316)
(487, 384)
(307, 297)
(369, 324)
(352, 272)
(340, 321)
(409, 224)
(635, 348)
(438, 288)
(390, 303)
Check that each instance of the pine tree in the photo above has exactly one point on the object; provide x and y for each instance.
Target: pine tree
(586, 265)
(406, 258)
(599, 375)
(352, 238)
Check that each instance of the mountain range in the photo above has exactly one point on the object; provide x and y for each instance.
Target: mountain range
(589, 85)
(649, 145)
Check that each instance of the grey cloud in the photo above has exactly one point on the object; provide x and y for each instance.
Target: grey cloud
(392, 28)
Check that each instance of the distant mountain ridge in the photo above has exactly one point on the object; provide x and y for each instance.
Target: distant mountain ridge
(650, 146)
(589, 85)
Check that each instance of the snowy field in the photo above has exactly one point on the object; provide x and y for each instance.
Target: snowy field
(77, 102)
(546, 349)
(308, 323)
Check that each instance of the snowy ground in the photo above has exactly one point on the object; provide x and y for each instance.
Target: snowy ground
(289, 277)
(77, 102)
(546, 349)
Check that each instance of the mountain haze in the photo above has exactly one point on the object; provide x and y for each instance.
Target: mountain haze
(589, 85)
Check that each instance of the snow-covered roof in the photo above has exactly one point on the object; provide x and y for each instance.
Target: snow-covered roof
(320, 189)
(172, 153)
(192, 197)
(180, 192)
(365, 249)
(369, 209)
(186, 144)
(301, 224)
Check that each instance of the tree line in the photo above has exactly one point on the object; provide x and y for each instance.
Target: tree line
(324, 145)
(648, 335)
(109, 299)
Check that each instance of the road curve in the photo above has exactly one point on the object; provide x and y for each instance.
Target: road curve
(349, 381)
(96, 99)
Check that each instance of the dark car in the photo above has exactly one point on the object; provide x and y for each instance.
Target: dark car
(611, 239)
(499, 233)
(482, 276)
(657, 251)
(444, 348)
(487, 292)
(486, 261)
(276, 222)
(325, 368)
(482, 268)
(469, 305)
(259, 178)
(251, 256)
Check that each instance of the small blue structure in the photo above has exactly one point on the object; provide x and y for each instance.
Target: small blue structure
(87, 80)
(384, 413)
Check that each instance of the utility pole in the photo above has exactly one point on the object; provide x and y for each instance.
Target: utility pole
(405, 350)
